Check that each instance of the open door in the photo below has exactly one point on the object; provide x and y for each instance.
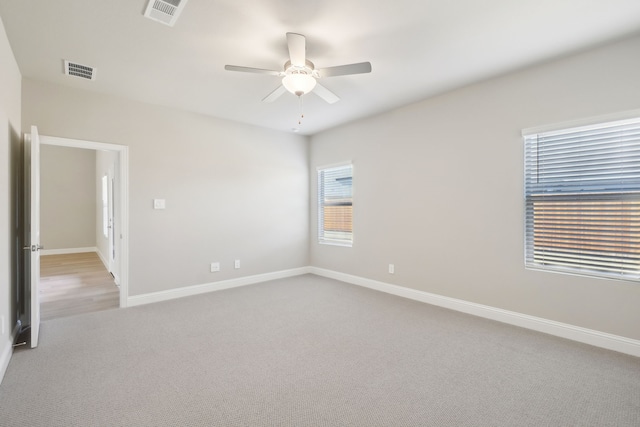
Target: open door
(32, 238)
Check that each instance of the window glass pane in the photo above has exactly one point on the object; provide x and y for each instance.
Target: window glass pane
(335, 205)
(582, 190)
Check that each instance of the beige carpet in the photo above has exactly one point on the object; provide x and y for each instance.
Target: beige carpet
(309, 351)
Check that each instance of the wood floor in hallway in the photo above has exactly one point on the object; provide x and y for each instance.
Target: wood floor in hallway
(75, 283)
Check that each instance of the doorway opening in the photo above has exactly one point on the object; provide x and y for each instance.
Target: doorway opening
(107, 260)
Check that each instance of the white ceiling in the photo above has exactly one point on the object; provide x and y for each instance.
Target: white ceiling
(417, 48)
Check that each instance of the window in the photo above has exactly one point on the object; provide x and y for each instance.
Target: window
(105, 207)
(335, 205)
(582, 193)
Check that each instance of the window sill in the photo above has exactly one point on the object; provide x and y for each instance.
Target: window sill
(335, 243)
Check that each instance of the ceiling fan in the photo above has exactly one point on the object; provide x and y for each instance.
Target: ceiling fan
(299, 74)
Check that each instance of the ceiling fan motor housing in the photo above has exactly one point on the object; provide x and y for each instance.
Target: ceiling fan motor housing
(308, 68)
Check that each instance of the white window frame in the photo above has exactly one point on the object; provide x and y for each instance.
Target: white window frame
(586, 189)
(327, 237)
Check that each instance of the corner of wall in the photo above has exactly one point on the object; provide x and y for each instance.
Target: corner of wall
(6, 351)
(10, 135)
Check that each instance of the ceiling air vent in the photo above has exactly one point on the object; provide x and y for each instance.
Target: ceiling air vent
(82, 71)
(164, 11)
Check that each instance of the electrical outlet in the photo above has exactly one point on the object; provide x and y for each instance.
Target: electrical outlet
(236, 264)
(215, 267)
(392, 269)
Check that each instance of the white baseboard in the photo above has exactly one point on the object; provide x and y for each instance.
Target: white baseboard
(102, 259)
(210, 287)
(68, 251)
(564, 330)
(6, 351)
(5, 356)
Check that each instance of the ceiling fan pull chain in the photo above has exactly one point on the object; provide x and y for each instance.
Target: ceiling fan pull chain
(301, 105)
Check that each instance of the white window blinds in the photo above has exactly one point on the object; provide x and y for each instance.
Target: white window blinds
(335, 205)
(582, 191)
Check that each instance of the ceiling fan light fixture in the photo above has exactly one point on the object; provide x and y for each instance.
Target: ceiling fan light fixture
(298, 83)
(299, 74)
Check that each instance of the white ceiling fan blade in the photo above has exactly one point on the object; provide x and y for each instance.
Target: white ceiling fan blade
(326, 94)
(297, 49)
(275, 94)
(343, 70)
(252, 70)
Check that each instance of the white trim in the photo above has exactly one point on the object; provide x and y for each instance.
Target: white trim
(564, 330)
(343, 243)
(122, 278)
(589, 121)
(79, 143)
(102, 259)
(334, 165)
(215, 286)
(7, 352)
(123, 168)
(5, 356)
(68, 251)
(320, 205)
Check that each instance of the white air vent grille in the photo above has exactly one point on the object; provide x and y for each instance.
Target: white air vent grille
(78, 70)
(164, 11)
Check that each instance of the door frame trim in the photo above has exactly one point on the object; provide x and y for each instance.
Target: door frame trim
(123, 175)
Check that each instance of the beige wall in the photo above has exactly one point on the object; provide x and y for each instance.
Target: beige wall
(437, 187)
(438, 190)
(67, 197)
(10, 125)
(232, 191)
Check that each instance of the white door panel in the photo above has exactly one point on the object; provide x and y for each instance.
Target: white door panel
(32, 163)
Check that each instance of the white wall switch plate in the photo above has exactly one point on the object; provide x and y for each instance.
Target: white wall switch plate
(392, 269)
(236, 264)
(215, 267)
(159, 204)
